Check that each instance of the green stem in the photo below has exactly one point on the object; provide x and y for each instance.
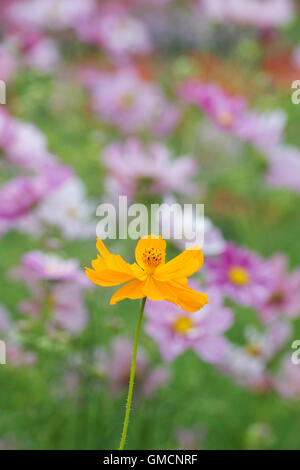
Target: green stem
(132, 373)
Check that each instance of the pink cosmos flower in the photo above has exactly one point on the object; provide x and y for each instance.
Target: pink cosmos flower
(127, 101)
(65, 303)
(27, 145)
(189, 229)
(167, 121)
(257, 13)
(43, 266)
(175, 330)
(241, 275)
(232, 115)
(68, 208)
(24, 145)
(284, 168)
(225, 110)
(287, 381)
(17, 197)
(133, 168)
(120, 33)
(62, 295)
(267, 343)
(20, 196)
(248, 364)
(28, 223)
(43, 55)
(21, 201)
(48, 14)
(51, 177)
(116, 365)
(264, 130)
(285, 296)
(32, 48)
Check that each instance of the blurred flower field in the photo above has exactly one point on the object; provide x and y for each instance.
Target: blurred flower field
(160, 101)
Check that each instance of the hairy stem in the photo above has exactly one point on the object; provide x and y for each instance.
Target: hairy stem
(132, 374)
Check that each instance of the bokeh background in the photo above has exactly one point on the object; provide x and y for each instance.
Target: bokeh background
(159, 100)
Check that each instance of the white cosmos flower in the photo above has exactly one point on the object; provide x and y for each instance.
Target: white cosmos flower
(69, 209)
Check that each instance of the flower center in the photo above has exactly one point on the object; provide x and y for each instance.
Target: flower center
(152, 257)
(50, 302)
(182, 325)
(277, 298)
(51, 267)
(72, 212)
(238, 276)
(253, 350)
(126, 101)
(225, 118)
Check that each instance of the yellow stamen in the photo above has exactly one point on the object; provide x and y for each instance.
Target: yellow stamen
(152, 257)
(238, 276)
(183, 325)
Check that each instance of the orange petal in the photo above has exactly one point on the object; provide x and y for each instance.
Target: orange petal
(138, 272)
(156, 290)
(188, 299)
(182, 266)
(102, 248)
(98, 263)
(118, 264)
(109, 269)
(106, 277)
(132, 290)
(184, 281)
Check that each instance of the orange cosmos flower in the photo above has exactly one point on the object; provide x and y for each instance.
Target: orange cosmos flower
(150, 276)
